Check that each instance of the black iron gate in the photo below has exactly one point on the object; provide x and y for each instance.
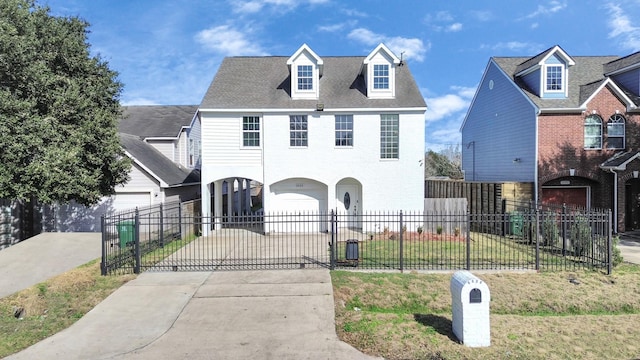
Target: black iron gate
(169, 238)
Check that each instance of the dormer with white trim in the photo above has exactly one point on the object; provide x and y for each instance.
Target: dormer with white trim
(547, 74)
(306, 69)
(379, 71)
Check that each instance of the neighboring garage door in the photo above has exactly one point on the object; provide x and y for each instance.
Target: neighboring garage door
(126, 201)
(569, 196)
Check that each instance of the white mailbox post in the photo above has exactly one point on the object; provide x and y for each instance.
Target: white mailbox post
(470, 299)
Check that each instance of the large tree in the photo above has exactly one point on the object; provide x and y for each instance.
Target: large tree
(446, 163)
(59, 110)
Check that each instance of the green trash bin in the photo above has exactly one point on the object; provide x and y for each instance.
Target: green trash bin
(126, 231)
(516, 223)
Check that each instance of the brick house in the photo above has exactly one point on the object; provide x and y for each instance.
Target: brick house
(568, 124)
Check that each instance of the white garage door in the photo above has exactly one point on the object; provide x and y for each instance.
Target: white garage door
(127, 201)
(303, 201)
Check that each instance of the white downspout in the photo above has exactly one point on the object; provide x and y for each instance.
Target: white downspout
(615, 200)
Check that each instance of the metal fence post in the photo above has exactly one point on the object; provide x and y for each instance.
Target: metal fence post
(136, 243)
(180, 220)
(401, 243)
(609, 244)
(103, 263)
(536, 232)
(332, 246)
(161, 231)
(468, 260)
(564, 229)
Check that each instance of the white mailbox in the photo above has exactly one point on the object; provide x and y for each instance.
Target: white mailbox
(470, 299)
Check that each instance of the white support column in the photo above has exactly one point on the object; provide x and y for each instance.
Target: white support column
(217, 210)
(241, 207)
(205, 206)
(230, 190)
(247, 195)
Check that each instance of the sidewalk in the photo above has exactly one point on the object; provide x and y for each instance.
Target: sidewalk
(630, 246)
(273, 314)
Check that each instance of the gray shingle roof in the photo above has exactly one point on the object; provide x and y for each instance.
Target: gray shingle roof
(620, 158)
(264, 82)
(160, 165)
(587, 71)
(621, 63)
(156, 120)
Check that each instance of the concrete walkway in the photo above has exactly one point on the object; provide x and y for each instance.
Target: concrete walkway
(286, 314)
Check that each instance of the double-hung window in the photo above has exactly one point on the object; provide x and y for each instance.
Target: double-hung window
(380, 76)
(251, 131)
(389, 136)
(593, 132)
(554, 78)
(344, 130)
(615, 132)
(305, 77)
(298, 130)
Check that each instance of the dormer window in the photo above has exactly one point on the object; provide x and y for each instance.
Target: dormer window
(547, 74)
(305, 77)
(379, 69)
(554, 78)
(305, 70)
(381, 76)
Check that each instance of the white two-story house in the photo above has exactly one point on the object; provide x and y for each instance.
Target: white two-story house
(317, 133)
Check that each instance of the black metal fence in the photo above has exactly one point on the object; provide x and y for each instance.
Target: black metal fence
(524, 236)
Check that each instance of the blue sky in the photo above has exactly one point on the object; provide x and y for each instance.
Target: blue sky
(168, 51)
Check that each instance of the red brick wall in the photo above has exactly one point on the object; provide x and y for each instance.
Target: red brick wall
(561, 147)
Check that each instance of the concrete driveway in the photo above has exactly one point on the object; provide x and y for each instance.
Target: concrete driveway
(630, 246)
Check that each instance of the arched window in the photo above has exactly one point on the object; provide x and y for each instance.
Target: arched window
(615, 132)
(593, 132)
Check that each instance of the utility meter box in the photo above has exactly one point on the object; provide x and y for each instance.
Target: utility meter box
(470, 299)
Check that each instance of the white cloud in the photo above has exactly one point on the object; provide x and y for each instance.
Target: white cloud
(484, 15)
(442, 21)
(139, 101)
(622, 28)
(454, 27)
(354, 13)
(516, 46)
(413, 48)
(254, 6)
(551, 8)
(445, 106)
(227, 41)
(445, 115)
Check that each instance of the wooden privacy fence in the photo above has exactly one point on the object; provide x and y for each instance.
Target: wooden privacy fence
(482, 197)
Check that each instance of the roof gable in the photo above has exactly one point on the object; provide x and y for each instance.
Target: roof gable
(305, 50)
(537, 61)
(383, 50)
(157, 165)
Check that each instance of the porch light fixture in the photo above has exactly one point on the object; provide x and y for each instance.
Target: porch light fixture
(572, 172)
(319, 107)
(635, 174)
